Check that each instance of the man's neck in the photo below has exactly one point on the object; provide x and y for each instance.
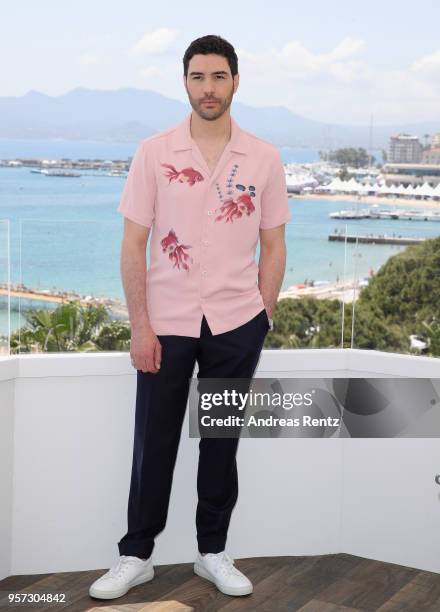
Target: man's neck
(210, 131)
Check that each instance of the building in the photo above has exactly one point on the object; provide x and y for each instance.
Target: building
(411, 174)
(404, 149)
(431, 156)
(436, 140)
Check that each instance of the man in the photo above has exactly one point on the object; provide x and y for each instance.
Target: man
(209, 190)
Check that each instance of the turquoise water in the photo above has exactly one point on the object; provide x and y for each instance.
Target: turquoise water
(65, 234)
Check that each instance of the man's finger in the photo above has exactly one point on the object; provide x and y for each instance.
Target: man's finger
(158, 355)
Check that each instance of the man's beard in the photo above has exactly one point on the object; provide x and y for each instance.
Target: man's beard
(211, 114)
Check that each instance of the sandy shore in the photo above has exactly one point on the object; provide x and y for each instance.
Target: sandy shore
(344, 291)
(393, 201)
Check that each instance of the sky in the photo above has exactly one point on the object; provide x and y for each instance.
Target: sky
(337, 62)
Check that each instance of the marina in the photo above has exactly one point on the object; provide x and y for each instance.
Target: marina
(65, 238)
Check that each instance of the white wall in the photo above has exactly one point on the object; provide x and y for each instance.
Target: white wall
(68, 454)
(6, 468)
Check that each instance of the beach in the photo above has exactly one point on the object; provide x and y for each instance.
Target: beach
(345, 291)
(353, 199)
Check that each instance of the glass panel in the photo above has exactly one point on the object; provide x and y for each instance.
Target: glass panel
(398, 278)
(71, 296)
(310, 309)
(5, 288)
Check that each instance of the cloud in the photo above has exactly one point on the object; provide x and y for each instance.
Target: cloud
(298, 62)
(162, 77)
(151, 72)
(428, 65)
(155, 42)
(336, 86)
(87, 59)
(350, 71)
(346, 48)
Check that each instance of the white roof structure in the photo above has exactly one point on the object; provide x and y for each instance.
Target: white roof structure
(353, 186)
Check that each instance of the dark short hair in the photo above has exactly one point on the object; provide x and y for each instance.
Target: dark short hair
(211, 44)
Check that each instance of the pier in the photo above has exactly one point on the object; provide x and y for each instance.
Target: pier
(374, 239)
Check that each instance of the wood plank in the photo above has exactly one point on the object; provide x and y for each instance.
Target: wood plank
(321, 583)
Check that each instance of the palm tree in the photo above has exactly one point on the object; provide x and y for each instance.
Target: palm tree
(71, 327)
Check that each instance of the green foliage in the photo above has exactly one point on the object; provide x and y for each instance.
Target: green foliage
(313, 323)
(403, 298)
(407, 288)
(70, 327)
(305, 323)
(344, 175)
(358, 158)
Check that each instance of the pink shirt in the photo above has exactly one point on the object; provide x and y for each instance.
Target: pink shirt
(205, 227)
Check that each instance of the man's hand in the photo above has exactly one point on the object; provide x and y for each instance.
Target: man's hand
(145, 350)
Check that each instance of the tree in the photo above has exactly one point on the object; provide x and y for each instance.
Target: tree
(313, 323)
(401, 299)
(357, 158)
(70, 327)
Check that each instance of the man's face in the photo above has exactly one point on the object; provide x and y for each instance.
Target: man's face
(209, 78)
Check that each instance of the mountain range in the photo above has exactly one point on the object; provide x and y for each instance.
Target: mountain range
(129, 114)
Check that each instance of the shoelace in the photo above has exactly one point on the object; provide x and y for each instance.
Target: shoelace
(225, 565)
(120, 568)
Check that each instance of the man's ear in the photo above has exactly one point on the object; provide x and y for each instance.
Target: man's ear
(236, 81)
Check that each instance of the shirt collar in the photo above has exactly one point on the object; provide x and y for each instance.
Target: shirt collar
(182, 139)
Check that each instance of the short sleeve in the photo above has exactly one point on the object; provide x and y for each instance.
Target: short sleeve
(274, 201)
(139, 193)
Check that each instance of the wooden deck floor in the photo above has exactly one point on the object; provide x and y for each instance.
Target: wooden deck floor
(329, 583)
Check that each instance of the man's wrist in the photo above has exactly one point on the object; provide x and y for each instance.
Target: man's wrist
(269, 317)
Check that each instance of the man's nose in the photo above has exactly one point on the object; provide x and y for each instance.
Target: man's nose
(209, 88)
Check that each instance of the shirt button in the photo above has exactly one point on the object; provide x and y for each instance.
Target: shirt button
(205, 242)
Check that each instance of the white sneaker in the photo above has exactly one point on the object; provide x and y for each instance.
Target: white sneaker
(219, 569)
(125, 574)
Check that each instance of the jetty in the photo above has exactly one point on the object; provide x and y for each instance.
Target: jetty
(374, 239)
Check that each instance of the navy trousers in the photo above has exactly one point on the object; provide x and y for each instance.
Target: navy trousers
(161, 401)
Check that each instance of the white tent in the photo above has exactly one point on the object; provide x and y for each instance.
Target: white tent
(426, 190)
(410, 190)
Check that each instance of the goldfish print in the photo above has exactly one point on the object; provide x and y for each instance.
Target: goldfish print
(187, 175)
(176, 252)
(232, 209)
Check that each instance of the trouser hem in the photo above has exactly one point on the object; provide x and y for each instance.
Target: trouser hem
(135, 549)
(211, 545)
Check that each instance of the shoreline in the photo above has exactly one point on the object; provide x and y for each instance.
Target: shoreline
(345, 291)
(393, 201)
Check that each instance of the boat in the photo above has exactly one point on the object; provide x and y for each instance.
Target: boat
(419, 215)
(297, 180)
(350, 214)
(374, 212)
(117, 173)
(60, 173)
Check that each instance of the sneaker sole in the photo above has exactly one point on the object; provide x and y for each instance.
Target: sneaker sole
(122, 591)
(203, 573)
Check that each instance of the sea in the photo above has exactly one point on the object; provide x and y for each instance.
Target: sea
(64, 234)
